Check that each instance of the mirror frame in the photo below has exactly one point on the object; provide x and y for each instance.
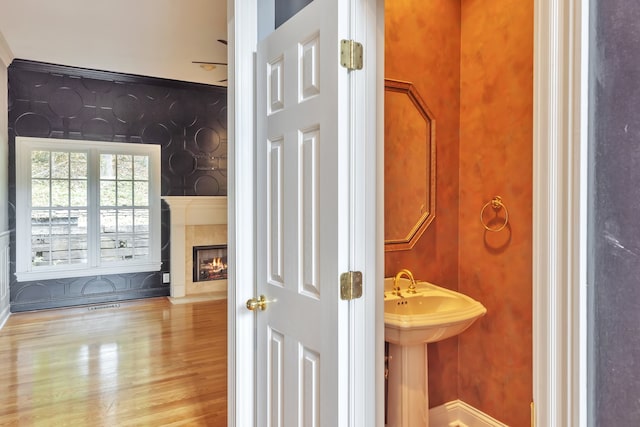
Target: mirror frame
(427, 217)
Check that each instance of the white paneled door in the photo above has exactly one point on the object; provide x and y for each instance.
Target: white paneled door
(303, 226)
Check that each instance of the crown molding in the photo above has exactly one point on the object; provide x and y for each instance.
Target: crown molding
(6, 56)
(87, 73)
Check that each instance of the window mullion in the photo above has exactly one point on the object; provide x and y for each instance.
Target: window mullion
(69, 208)
(23, 198)
(93, 208)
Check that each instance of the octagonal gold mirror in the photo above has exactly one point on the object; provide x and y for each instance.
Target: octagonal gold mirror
(409, 166)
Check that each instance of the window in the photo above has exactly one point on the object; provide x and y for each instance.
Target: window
(86, 208)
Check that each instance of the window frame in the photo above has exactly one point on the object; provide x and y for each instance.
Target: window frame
(25, 271)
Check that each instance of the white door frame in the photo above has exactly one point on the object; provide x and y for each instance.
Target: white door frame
(559, 211)
(559, 217)
(242, 39)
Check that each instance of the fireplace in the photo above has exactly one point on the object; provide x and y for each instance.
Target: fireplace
(195, 221)
(209, 263)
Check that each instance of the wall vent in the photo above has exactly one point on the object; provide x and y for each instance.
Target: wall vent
(103, 306)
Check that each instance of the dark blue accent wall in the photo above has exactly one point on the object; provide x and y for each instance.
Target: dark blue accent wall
(188, 120)
(614, 233)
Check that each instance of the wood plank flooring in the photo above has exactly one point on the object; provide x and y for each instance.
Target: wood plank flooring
(134, 363)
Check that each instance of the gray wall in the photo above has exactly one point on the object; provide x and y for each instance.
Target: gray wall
(273, 13)
(614, 235)
(285, 9)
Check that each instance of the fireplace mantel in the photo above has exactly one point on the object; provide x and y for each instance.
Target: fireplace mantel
(197, 210)
(187, 211)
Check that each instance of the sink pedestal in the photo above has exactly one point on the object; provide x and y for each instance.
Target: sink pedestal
(411, 321)
(408, 404)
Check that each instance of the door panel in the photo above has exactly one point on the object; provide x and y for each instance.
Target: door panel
(302, 141)
(309, 238)
(275, 377)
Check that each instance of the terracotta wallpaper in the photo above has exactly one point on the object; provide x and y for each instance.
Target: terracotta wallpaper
(427, 36)
(472, 62)
(496, 156)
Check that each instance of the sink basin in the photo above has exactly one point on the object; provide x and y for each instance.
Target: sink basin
(432, 314)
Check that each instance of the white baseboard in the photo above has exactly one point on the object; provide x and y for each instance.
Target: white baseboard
(459, 414)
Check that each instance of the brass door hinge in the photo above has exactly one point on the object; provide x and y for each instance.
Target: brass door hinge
(350, 285)
(351, 55)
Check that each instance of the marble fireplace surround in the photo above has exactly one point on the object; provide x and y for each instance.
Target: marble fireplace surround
(195, 221)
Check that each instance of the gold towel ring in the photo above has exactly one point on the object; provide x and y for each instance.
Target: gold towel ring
(496, 204)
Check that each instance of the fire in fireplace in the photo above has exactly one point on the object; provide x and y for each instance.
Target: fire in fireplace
(209, 263)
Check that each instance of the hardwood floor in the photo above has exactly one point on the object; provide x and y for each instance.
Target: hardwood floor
(136, 363)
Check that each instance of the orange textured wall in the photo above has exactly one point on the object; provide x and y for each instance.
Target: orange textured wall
(496, 122)
(472, 62)
(422, 46)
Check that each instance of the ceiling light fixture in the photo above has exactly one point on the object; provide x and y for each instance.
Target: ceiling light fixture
(208, 66)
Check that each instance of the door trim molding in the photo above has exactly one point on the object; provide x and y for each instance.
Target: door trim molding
(242, 39)
(559, 211)
(367, 122)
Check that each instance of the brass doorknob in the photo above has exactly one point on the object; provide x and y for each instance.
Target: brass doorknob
(261, 303)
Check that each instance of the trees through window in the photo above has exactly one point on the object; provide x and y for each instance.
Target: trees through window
(86, 205)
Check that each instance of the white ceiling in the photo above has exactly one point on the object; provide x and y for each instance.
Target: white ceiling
(157, 38)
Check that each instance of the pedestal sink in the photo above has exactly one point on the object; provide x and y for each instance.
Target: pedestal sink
(411, 321)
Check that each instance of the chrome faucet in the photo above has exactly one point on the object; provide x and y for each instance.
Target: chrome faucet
(396, 285)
